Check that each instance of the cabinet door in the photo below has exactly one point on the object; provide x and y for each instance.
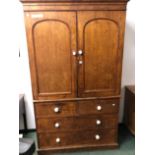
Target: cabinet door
(100, 37)
(51, 39)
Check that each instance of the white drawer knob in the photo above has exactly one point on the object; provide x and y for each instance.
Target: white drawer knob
(98, 122)
(113, 105)
(98, 107)
(56, 109)
(57, 125)
(58, 140)
(97, 137)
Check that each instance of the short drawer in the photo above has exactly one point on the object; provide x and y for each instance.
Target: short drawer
(56, 109)
(94, 137)
(76, 123)
(108, 106)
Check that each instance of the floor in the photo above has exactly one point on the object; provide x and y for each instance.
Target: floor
(126, 141)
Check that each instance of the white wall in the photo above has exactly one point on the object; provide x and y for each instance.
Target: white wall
(25, 82)
(128, 73)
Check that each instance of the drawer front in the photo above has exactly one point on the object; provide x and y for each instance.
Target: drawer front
(107, 106)
(93, 137)
(56, 109)
(76, 123)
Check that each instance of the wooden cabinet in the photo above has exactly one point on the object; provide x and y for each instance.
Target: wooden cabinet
(129, 108)
(75, 55)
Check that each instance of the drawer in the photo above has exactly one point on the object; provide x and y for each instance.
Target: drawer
(56, 109)
(76, 123)
(107, 106)
(94, 137)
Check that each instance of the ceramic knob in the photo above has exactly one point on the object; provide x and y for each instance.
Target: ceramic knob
(97, 137)
(98, 107)
(58, 140)
(57, 125)
(80, 62)
(98, 122)
(113, 105)
(56, 109)
(74, 53)
(80, 52)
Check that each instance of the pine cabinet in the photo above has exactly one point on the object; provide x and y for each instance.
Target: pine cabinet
(75, 54)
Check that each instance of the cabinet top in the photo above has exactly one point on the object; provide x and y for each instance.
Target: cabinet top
(42, 1)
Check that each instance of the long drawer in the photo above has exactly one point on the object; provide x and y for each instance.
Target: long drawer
(72, 108)
(50, 124)
(106, 136)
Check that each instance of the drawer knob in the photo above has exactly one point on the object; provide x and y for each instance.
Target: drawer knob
(99, 108)
(56, 109)
(113, 105)
(97, 137)
(57, 125)
(58, 140)
(98, 122)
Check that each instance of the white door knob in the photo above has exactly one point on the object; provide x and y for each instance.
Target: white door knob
(80, 52)
(56, 109)
(74, 53)
(97, 137)
(58, 140)
(98, 107)
(57, 125)
(113, 105)
(98, 122)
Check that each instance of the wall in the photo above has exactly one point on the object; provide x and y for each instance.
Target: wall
(128, 73)
(24, 80)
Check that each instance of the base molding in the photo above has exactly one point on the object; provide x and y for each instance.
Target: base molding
(76, 148)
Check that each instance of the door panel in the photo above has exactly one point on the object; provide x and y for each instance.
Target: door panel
(51, 42)
(100, 38)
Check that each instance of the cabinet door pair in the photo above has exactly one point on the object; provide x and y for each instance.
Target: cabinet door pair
(58, 69)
